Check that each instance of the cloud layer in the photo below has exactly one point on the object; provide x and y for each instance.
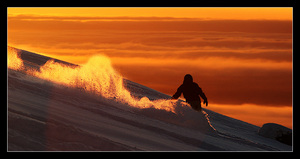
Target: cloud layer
(234, 61)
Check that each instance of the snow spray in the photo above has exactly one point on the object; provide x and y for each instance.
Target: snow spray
(96, 76)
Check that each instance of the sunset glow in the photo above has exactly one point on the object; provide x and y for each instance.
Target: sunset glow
(192, 12)
(240, 57)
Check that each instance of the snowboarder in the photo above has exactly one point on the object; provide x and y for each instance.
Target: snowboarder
(191, 92)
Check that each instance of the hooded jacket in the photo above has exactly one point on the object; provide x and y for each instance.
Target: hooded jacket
(190, 90)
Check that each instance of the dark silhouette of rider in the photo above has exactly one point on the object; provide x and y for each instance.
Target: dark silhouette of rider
(191, 92)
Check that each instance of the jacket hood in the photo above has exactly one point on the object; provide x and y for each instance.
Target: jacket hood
(188, 79)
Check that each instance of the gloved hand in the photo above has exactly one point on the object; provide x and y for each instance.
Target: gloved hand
(205, 102)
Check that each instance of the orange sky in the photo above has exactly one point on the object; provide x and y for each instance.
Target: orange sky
(239, 56)
(197, 12)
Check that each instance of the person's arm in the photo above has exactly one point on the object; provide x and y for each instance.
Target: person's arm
(178, 93)
(202, 95)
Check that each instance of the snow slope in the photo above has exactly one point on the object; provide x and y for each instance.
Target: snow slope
(44, 115)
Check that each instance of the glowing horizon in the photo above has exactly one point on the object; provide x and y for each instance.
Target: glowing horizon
(246, 13)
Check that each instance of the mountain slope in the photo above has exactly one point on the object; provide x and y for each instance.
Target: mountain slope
(49, 114)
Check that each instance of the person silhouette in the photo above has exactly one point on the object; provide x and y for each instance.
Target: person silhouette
(191, 92)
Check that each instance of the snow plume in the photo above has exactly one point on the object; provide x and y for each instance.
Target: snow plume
(99, 77)
(13, 59)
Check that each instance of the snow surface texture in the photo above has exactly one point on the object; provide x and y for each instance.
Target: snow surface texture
(46, 115)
